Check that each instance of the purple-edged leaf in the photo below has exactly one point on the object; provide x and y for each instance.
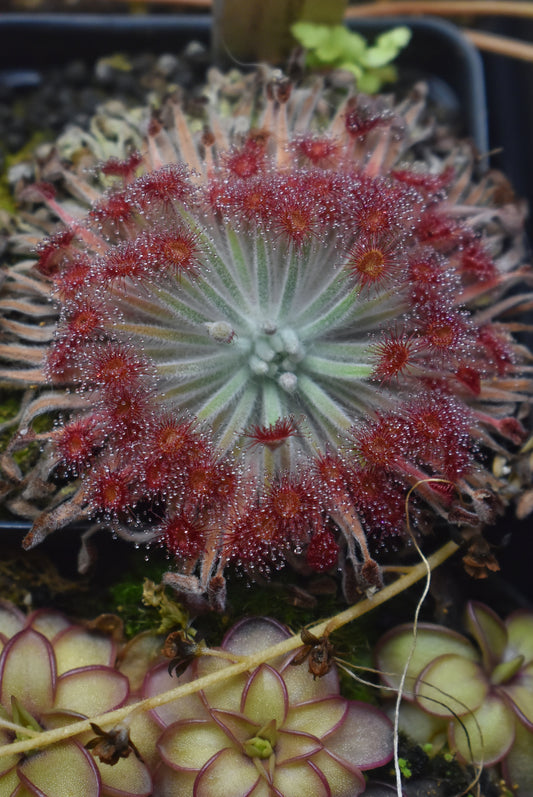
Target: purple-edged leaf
(294, 746)
(75, 647)
(265, 697)
(486, 735)
(520, 635)
(520, 693)
(172, 782)
(27, 671)
(261, 789)
(364, 739)
(301, 778)
(61, 771)
(318, 717)
(251, 635)
(393, 650)
(236, 727)
(191, 743)
(375, 789)
(302, 687)
(227, 693)
(129, 777)
(8, 761)
(139, 653)
(488, 631)
(9, 780)
(91, 690)
(422, 727)
(169, 781)
(227, 767)
(12, 620)
(48, 622)
(145, 733)
(345, 781)
(517, 766)
(451, 685)
(189, 707)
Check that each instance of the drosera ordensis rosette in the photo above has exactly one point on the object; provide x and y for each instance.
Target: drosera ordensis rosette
(276, 333)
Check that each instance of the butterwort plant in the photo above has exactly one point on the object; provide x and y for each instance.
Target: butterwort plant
(52, 673)
(274, 731)
(262, 334)
(477, 695)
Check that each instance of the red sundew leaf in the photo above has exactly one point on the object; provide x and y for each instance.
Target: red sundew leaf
(477, 264)
(40, 191)
(320, 151)
(296, 220)
(183, 535)
(250, 541)
(332, 471)
(428, 278)
(359, 121)
(83, 321)
(444, 330)
(245, 162)
(496, 346)
(114, 366)
(252, 198)
(114, 209)
(292, 508)
(379, 209)
(439, 230)
(425, 181)
(110, 491)
(382, 443)
(379, 500)
(125, 169)
(54, 252)
(76, 275)
(128, 260)
(394, 353)
(469, 377)
(207, 482)
(274, 435)
(125, 409)
(161, 187)
(78, 440)
(175, 251)
(440, 435)
(375, 262)
(322, 552)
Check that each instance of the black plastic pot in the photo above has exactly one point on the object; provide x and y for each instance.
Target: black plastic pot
(437, 53)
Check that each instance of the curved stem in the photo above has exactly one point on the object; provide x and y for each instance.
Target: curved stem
(504, 8)
(248, 663)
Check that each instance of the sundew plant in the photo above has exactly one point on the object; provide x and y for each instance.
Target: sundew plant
(259, 336)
